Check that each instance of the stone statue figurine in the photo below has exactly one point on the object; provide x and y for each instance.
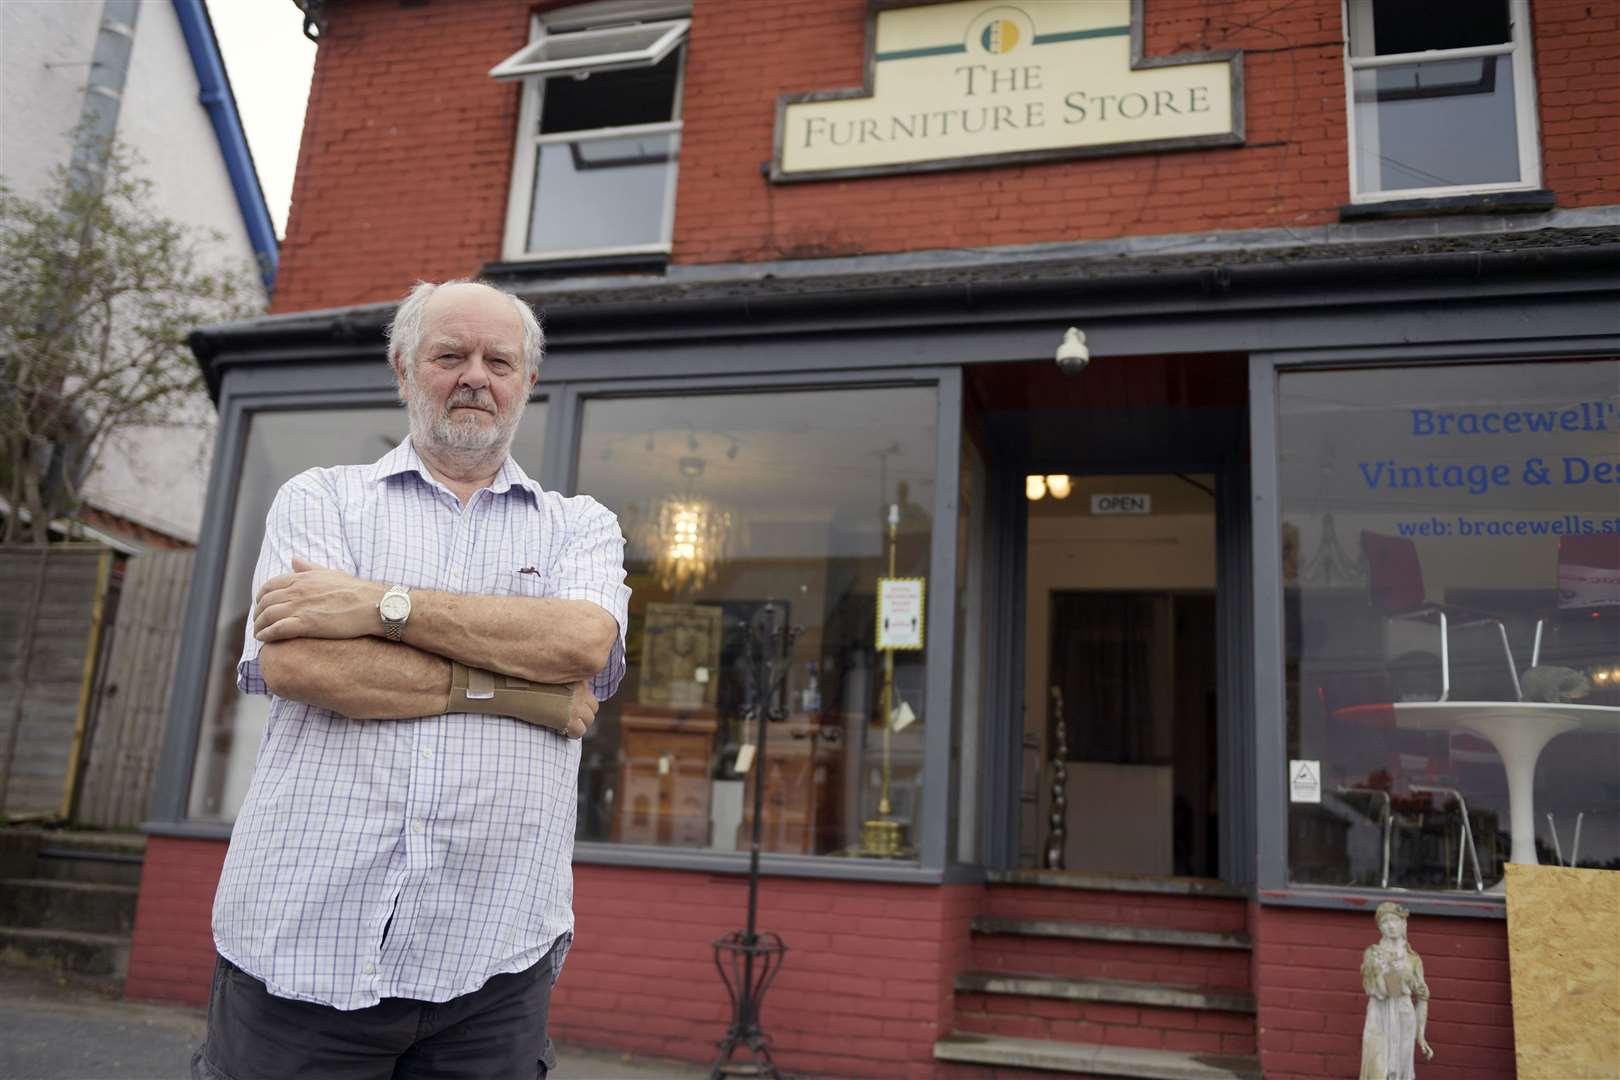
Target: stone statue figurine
(1397, 1001)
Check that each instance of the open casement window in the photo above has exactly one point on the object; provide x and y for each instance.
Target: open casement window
(1441, 98)
(599, 132)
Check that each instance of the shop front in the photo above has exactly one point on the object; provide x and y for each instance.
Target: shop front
(1299, 596)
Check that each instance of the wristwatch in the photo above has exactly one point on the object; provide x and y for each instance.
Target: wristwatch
(395, 608)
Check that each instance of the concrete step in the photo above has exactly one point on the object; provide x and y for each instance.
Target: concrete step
(1000, 1053)
(1138, 883)
(43, 904)
(57, 863)
(1112, 991)
(1114, 932)
(72, 952)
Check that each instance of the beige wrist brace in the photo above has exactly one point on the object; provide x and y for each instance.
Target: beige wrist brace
(474, 690)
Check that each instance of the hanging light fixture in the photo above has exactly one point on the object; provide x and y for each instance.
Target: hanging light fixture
(1059, 485)
(1034, 488)
(689, 535)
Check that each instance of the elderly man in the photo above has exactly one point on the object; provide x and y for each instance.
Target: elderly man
(435, 631)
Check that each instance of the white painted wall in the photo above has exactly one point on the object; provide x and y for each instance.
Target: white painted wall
(45, 48)
(154, 476)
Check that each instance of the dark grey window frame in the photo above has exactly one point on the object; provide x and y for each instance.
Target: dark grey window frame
(347, 383)
(1270, 705)
(246, 393)
(939, 786)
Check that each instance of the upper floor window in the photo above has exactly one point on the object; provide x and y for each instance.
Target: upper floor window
(1442, 98)
(599, 131)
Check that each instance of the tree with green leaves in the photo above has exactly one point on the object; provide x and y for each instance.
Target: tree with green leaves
(98, 293)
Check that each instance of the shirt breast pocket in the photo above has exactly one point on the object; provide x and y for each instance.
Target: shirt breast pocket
(523, 579)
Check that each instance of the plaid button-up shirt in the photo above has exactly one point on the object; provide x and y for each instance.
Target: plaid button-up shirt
(413, 858)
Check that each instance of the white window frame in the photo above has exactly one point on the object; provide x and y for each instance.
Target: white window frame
(1358, 27)
(525, 158)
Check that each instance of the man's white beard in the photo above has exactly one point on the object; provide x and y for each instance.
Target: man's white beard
(445, 430)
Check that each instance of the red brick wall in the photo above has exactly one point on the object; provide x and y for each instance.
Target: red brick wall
(407, 146)
(866, 990)
(1577, 47)
(1308, 976)
(172, 955)
(407, 151)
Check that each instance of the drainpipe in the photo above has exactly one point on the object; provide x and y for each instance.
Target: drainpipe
(98, 117)
(87, 170)
(214, 93)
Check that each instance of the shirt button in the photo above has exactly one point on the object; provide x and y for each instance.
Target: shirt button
(427, 755)
(369, 968)
(416, 826)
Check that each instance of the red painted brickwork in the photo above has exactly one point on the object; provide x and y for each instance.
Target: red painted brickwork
(865, 990)
(1312, 1006)
(172, 954)
(408, 143)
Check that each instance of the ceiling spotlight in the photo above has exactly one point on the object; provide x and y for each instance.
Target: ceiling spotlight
(1034, 488)
(1059, 485)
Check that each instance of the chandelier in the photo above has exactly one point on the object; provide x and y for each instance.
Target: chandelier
(689, 536)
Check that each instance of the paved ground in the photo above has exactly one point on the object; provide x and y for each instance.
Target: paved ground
(50, 1030)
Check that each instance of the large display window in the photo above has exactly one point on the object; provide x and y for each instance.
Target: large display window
(280, 445)
(1451, 590)
(730, 502)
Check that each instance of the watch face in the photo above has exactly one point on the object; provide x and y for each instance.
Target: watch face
(395, 607)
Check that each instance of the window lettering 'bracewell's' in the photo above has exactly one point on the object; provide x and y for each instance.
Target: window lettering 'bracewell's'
(966, 83)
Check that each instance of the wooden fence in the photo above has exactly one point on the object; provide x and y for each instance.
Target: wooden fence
(48, 659)
(132, 698)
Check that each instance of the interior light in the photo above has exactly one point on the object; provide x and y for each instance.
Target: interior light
(1059, 485)
(1034, 488)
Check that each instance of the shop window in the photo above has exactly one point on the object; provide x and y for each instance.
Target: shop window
(1451, 572)
(280, 445)
(1442, 98)
(730, 502)
(598, 133)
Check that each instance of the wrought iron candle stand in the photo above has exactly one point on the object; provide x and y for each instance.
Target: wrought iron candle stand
(1056, 822)
(749, 959)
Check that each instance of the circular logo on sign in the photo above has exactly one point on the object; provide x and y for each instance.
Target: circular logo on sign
(1000, 37)
(1000, 30)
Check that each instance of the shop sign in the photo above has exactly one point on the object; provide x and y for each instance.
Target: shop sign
(1121, 504)
(960, 85)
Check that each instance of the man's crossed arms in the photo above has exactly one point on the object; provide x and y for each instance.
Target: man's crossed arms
(324, 646)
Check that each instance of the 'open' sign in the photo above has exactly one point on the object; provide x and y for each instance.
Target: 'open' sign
(1121, 504)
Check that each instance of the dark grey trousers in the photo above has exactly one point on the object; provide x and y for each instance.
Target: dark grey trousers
(497, 1032)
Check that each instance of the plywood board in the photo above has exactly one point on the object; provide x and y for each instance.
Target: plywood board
(1564, 948)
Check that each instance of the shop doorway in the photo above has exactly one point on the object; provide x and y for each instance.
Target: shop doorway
(1129, 686)
(1121, 645)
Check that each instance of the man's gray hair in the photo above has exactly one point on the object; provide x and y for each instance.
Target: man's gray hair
(404, 331)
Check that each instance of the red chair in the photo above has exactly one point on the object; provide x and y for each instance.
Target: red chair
(1395, 584)
(1409, 769)
(1588, 588)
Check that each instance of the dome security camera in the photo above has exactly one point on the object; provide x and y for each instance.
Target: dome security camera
(1072, 355)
